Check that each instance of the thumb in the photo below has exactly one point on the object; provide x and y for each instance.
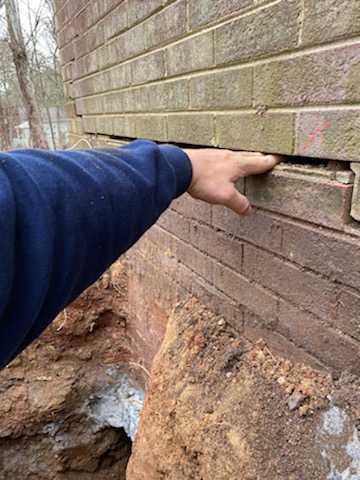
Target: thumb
(238, 202)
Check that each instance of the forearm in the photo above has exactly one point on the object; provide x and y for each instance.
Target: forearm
(65, 217)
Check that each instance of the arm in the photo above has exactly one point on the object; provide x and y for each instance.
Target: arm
(65, 217)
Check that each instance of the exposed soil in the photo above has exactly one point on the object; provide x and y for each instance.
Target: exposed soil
(47, 430)
(226, 410)
(217, 408)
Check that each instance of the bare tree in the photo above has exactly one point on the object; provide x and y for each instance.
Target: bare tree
(4, 128)
(18, 48)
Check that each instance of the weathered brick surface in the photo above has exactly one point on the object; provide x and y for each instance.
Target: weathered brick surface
(223, 90)
(305, 289)
(244, 293)
(167, 25)
(330, 347)
(152, 127)
(328, 77)
(274, 29)
(151, 67)
(196, 53)
(329, 134)
(355, 207)
(329, 20)
(203, 12)
(314, 199)
(197, 129)
(271, 132)
(273, 76)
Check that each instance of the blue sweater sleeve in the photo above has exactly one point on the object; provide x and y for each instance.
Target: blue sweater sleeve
(67, 216)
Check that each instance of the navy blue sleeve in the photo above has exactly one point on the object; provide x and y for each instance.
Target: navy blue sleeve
(65, 217)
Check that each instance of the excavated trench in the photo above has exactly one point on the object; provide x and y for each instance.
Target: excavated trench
(70, 405)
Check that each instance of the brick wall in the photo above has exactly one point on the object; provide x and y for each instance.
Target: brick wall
(277, 76)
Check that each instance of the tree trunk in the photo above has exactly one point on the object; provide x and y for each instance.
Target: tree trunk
(18, 49)
(4, 128)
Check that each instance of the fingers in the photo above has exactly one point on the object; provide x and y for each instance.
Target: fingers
(255, 163)
(237, 202)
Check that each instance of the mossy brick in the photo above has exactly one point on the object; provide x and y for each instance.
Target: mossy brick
(117, 21)
(113, 103)
(326, 77)
(129, 44)
(120, 76)
(76, 126)
(269, 132)
(167, 25)
(331, 134)
(104, 125)
(167, 96)
(271, 30)
(202, 12)
(124, 126)
(89, 105)
(138, 10)
(70, 109)
(313, 199)
(89, 124)
(193, 54)
(152, 127)
(355, 203)
(222, 90)
(148, 68)
(196, 129)
(328, 20)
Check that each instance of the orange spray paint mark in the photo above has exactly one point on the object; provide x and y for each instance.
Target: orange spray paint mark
(318, 132)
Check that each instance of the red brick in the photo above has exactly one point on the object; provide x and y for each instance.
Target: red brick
(312, 198)
(253, 297)
(256, 329)
(218, 303)
(175, 224)
(259, 228)
(192, 208)
(330, 347)
(202, 264)
(334, 255)
(217, 244)
(304, 289)
(348, 313)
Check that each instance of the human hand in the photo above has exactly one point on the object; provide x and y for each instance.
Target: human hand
(215, 173)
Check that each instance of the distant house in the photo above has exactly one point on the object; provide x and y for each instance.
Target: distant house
(56, 131)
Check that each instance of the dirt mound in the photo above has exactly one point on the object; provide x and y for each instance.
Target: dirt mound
(221, 409)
